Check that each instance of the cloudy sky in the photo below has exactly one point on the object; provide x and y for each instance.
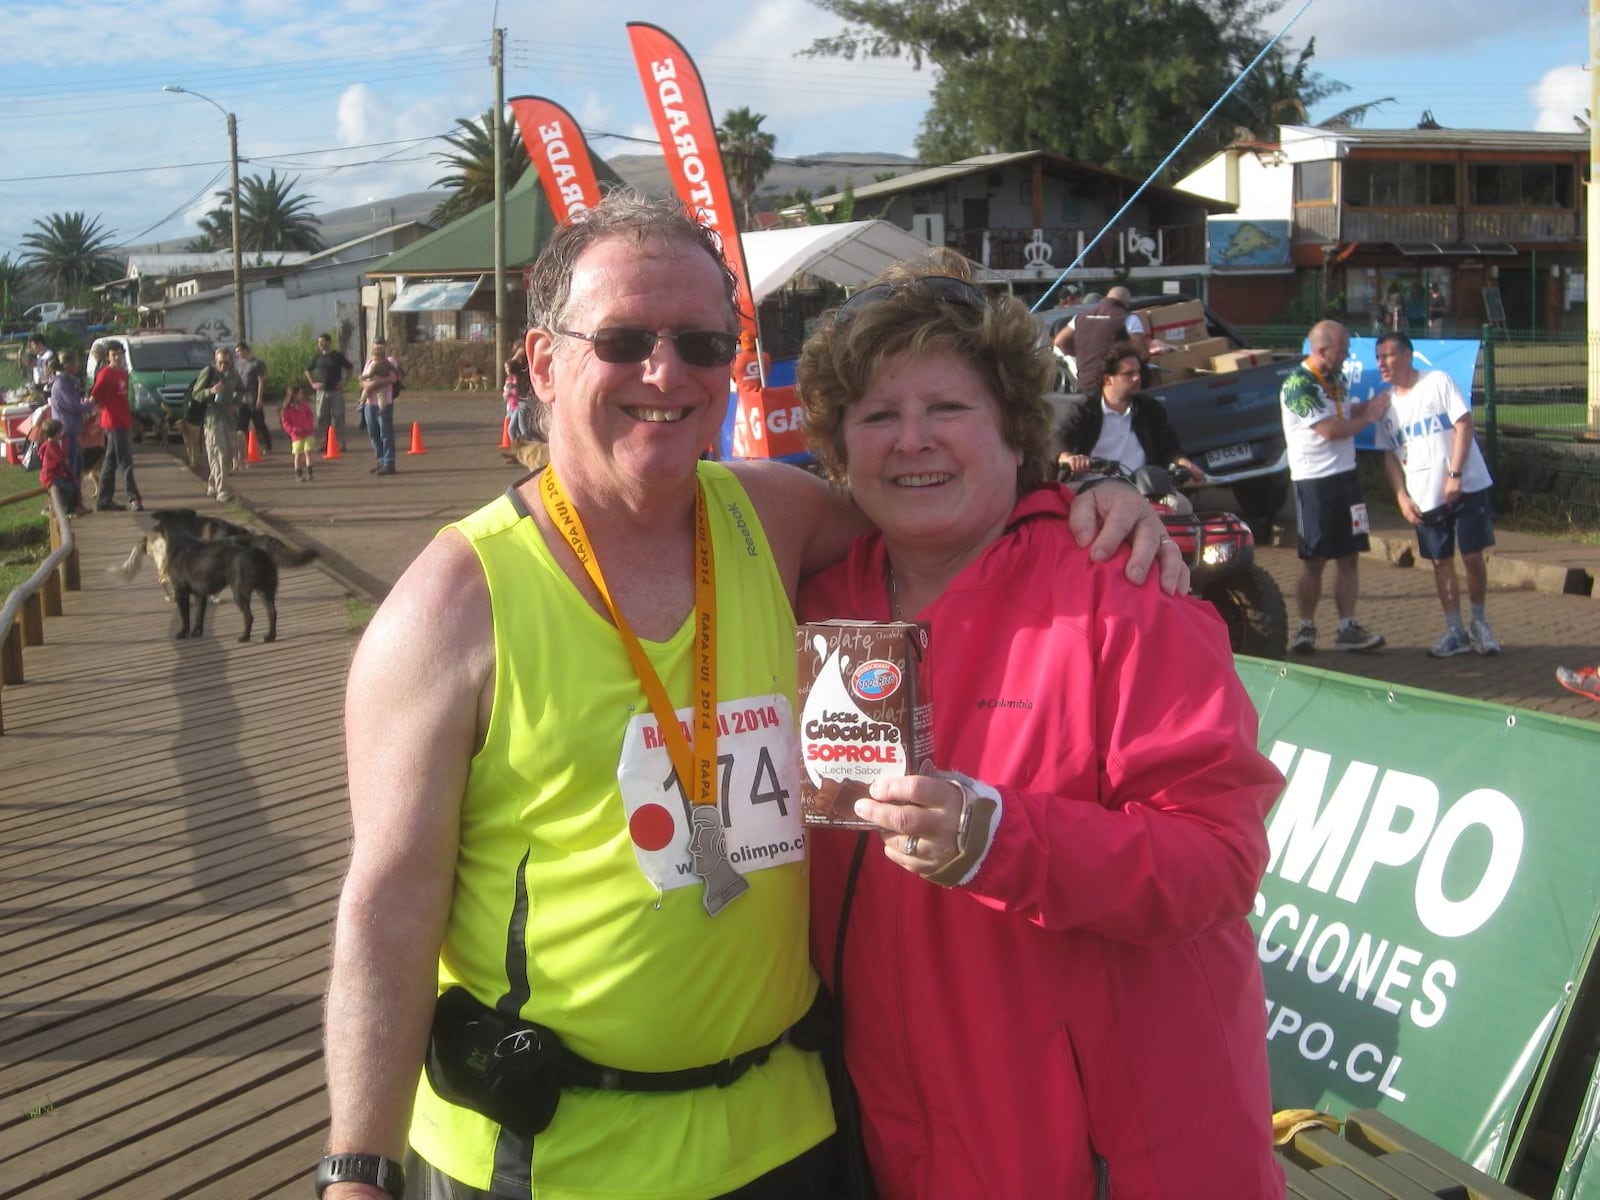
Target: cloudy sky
(351, 96)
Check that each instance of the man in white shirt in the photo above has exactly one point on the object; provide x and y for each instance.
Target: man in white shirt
(1442, 486)
(1319, 427)
(43, 356)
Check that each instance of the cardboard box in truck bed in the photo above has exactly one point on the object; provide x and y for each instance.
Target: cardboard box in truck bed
(1186, 360)
(1233, 360)
(1176, 323)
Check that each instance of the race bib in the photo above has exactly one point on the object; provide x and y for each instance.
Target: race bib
(758, 791)
(1359, 523)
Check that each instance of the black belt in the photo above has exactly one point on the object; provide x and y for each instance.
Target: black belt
(514, 1072)
(808, 1033)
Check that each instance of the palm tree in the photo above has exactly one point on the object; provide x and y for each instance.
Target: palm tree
(271, 217)
(471, 181)
(69, 254)
(1282, 91)
(216, 231)
(13, 282)
(747, 155)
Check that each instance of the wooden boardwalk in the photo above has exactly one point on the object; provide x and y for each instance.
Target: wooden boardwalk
(173, 830)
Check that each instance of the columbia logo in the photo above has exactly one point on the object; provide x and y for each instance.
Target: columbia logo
(1003, 703)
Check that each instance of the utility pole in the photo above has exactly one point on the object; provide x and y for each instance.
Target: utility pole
(233, 163)
(1591, 280)
(497, 59)
(238, 250)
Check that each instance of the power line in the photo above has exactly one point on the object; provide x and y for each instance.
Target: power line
(131, 238)
(264, 158)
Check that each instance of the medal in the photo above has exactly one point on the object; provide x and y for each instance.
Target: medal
(708, 851)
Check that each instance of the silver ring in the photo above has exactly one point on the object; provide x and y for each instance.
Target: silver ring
(1166, 541)
(910, 850)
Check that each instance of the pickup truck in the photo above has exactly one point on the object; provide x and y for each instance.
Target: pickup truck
(1228, 423)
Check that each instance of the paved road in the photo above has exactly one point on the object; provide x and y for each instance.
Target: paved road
(369, 528)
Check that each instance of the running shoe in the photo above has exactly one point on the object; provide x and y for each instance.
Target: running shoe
(1583, 680)
(1305, 639)
(1482, 638)
(1356, 636)
(1455, 641)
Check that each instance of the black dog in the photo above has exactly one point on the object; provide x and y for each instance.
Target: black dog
(168, 521)
(202, 569)
(198, 556)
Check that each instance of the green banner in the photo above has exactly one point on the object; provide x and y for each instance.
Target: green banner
(1580, 1174)
(1428, 904)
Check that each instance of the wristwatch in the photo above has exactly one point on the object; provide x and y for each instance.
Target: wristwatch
(1453, 474)
(371, 1169)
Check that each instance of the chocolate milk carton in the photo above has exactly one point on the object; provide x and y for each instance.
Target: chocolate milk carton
(865, 712)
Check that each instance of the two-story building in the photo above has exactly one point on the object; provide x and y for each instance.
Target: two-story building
(1032, 214)
(1458, 226)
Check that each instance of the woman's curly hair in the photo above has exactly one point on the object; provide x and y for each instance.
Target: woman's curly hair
(1000, 340)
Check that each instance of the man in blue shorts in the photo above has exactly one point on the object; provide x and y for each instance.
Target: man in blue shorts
(1320, 425)
(1442, 485)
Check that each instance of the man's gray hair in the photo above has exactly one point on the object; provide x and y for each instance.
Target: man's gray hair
(1327, 333)
(624, 215)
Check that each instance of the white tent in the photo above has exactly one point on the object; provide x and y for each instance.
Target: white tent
(848, 254)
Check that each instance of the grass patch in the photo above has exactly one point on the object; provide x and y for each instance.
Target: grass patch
(285, 358)
(24, 529)
(1537, 417)
(359, 612)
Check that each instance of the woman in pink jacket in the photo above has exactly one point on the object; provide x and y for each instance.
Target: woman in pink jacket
(1048, 984)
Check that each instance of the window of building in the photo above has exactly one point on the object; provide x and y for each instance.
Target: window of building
(1370, 184)
(1313, 182)
(1519, 185)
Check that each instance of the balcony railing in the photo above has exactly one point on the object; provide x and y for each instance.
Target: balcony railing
(1121, 249)
(1521, 225)
(1320, 224)
(1365, 225)
(1443, 226)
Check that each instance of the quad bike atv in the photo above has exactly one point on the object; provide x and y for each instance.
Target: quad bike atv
(1220, 551)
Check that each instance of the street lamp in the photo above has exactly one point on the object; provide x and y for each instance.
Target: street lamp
(233, 163)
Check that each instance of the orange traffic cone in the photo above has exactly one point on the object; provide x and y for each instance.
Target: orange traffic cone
(333, 444)
(416, 439)
(505, 434)
(252, 452)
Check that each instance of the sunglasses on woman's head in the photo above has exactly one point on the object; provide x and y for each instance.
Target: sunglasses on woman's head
(697, 347)
(941, 287)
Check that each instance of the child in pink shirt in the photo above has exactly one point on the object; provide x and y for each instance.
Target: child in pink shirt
(299, 421)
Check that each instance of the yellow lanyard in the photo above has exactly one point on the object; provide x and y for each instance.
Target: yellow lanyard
(1333, 391)
(699, 770)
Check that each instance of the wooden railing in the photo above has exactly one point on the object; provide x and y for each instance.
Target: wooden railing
(1121, 248)
(22, 617)
(1444, 226)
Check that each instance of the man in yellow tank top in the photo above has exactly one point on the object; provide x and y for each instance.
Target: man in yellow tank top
(574, 784)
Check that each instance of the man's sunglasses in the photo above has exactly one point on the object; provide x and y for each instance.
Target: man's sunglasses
(697, 347)
(941, 287)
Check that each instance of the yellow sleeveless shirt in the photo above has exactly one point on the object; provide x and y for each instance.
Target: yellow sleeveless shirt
(573, 897)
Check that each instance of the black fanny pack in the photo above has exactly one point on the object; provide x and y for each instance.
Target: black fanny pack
(512, 1071)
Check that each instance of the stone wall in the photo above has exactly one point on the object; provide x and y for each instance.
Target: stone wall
(1556, 481)
(436, 366)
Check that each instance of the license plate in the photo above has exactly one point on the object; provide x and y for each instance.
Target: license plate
(1228, 455)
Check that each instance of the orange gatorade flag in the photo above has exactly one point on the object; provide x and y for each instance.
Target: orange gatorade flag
(559, 153)
(677, 102)
(766, 423)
